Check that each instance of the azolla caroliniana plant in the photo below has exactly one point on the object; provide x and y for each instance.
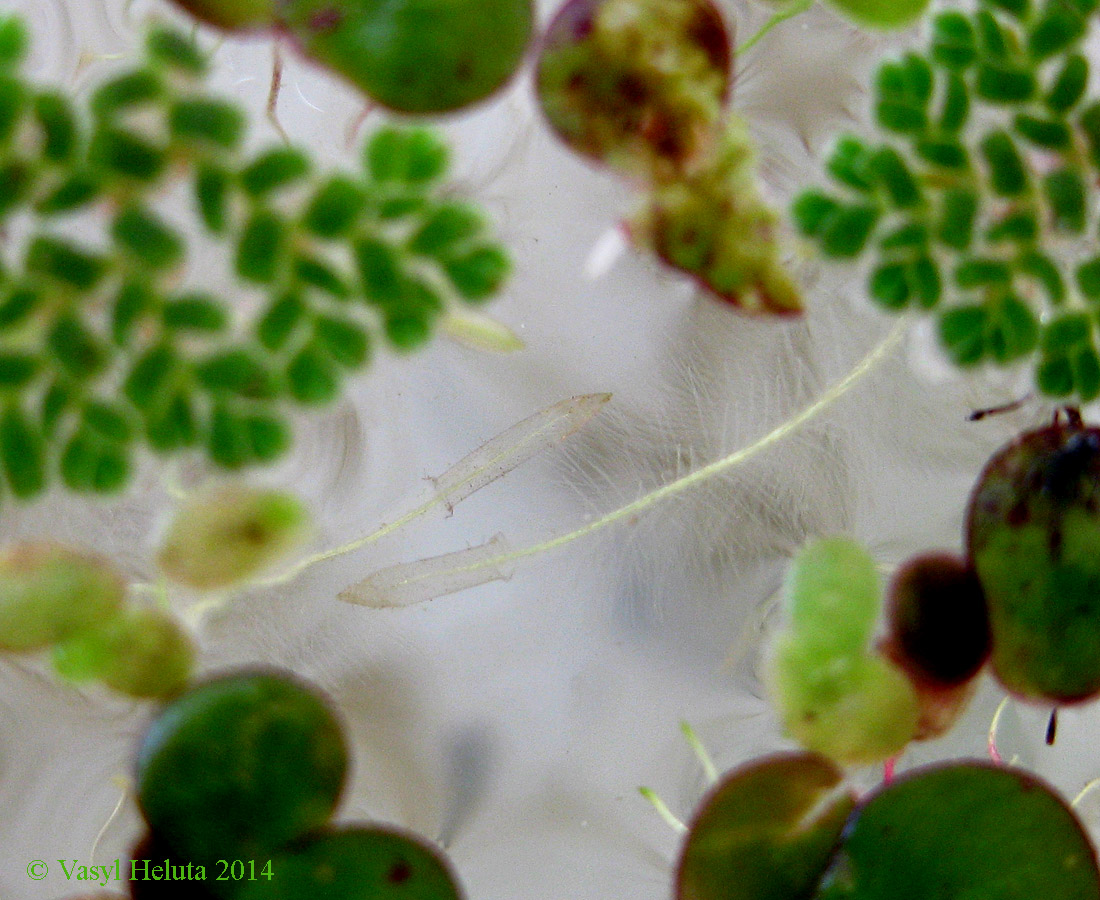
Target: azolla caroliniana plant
(112, 341)
(981, 206)
(643, 85)
(413, 56)
(1026, 597)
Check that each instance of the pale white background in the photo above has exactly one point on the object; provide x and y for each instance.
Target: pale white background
(515, 721)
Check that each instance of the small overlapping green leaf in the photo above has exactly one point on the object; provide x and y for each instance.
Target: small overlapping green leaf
(229, 533)
(49, 592)
(272, 759)
(191, 368)
(767, 831)
(138, 652)
(1002, 201)
(358, 862)
(963, 830)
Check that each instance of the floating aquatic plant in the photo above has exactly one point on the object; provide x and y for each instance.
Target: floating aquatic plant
(249, 766)
(413, 56)
(642, 85)
(103, 349)
(75, 604)
(1033, 534)
(228, 533)
(785, 827)
(980, 207)
(836, 694)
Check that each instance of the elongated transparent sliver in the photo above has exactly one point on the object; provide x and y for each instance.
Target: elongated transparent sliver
(515, 446)
(407, 584)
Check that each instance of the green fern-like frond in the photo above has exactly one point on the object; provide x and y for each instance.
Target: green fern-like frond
(981, 205)
(116, 340)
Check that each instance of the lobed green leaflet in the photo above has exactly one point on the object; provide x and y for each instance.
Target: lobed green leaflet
(103, 351)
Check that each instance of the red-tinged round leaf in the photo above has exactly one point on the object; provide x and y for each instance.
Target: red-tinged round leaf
(232, 15)
(637, 84)
(937, 621)
(358, 863)
(969, 831)
(939, 707)
(1033, 535)
(766, 832)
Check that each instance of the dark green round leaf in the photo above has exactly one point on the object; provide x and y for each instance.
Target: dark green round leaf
(14, 40)
(334, 208)
(766, 832)
(413, 156)
(149, 241)
(261, 250)
(216, 123)
(358, 863)
(59, 126)
(171, 48)
(1007, 171)
(275, 169)
(424, 57)
(953, 43)
(240, 766)
(23, 450)
(967, 830)
(138, 88)
(1033, 535)
(312, 377)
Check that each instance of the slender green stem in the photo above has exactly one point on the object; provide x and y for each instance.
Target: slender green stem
(795, 9)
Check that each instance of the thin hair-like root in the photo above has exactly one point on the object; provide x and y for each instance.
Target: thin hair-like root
(124, 784)
(276, 89)
(1085, 791)
(700, 752)
(994, 753)
(662, 810)
(631, 510)
(795, 9)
